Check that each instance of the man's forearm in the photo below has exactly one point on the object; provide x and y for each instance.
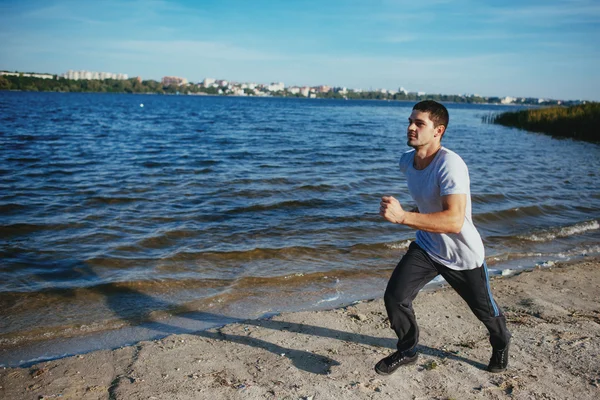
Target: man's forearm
(439, 222)
(449, 220)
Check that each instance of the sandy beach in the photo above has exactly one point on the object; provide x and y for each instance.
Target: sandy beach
(553, 313)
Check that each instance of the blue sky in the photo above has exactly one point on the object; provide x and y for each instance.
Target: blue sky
(527, 48)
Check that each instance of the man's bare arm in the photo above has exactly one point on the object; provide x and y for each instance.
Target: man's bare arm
(449, 220)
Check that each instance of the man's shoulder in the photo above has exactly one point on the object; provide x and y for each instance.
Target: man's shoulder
(450, 163)
(446, 152)
(406, 159)
(449, 156)
(408, 154)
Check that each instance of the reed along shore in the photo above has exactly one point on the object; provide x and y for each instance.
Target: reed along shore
(577, 122)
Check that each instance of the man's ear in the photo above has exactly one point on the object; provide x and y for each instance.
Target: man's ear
(439, 130)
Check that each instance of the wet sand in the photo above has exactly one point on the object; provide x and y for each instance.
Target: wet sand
(553, 313)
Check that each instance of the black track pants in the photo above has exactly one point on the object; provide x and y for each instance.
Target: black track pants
(414, 271)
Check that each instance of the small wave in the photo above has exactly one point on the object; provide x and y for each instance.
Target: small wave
(335, 297)
(332, 277)
(548, 235)
(267, 166)
(315, 188)
(266, 129)
(328, 299)
(283, 205)
(12, 208)
(295, 252)
(154, 164)
(266, 181)
(24, 160)
(399, 245)
(26, 138)
(49, 173)
(518, 213)
(486, 198)
(358, 124)
(350, 133)
(504, 257)
(27, 228)
(322, 163)
(114, 200)
(166, 239)
(530, 259)
(589, 251)
(206, 163)
(367, 248)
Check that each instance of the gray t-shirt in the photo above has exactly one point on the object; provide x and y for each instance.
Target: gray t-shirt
(447, 174)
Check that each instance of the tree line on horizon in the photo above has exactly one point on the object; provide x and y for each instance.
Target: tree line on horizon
(577, 122)
(133, 85)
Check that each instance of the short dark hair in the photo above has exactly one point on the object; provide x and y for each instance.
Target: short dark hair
(437, 112)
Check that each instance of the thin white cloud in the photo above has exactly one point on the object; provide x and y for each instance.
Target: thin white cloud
(486, 36)
(199, 49)
(60, 12)
(109, 11)
(417, 65)
(399, 39)
(572, 12)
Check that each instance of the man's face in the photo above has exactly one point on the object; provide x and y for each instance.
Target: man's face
(421, 131)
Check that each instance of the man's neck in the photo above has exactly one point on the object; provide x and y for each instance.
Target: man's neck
(425, 155)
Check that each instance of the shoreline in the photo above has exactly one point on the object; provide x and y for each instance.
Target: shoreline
(81, 339)
(525, 105)
(552, 313)
(89, 338)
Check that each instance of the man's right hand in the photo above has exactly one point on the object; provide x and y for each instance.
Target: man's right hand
(391, 210)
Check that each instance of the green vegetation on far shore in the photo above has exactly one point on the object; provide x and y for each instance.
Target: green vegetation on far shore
(133, 85)
(580, 122)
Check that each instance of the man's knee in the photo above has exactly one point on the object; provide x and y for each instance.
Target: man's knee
(397, 296)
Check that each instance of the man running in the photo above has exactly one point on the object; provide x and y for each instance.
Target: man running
(447, 243)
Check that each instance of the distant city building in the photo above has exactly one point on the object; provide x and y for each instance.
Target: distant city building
(91, 75)
(276, 87)
(305, 91)
(30, 75)
(294, 90)
(207, 82)
(403, 91)
(322, 89)
(174, 80)
(508, 100)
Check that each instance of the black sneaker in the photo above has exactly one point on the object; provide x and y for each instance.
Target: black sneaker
(499, 360)
(395, 360)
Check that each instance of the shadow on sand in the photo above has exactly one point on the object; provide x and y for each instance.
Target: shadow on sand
(133, 307)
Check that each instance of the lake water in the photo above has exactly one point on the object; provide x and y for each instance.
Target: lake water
(122, 222)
